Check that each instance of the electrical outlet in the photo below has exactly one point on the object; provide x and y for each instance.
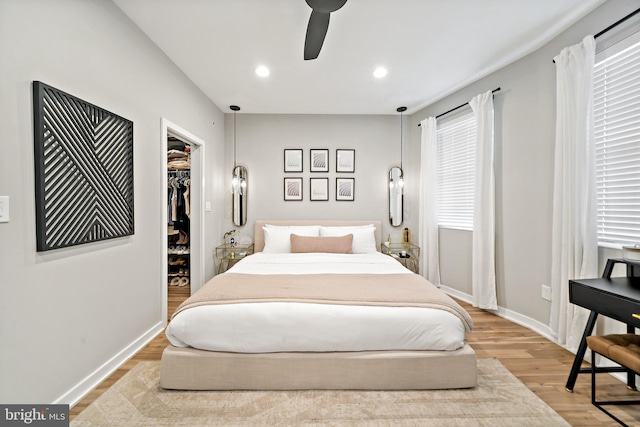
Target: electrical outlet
(4, 208)
(546, 292)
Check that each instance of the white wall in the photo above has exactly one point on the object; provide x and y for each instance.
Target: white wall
(525, 135)
(262, 138)
(68, 316)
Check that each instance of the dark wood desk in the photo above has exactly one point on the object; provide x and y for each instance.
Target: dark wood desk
(617, 298)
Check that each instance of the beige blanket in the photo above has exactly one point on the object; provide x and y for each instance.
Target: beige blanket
(391, 290)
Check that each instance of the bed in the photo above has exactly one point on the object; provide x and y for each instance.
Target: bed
(318, 307)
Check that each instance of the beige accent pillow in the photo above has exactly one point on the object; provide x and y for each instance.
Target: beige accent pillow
(333, 245)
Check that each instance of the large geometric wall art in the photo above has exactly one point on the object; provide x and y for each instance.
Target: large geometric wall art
(83, 171)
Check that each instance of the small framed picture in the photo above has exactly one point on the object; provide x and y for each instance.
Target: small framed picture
(293, 189)
(319, 189)
(345, 160)
(345, 188)
(293, 160)
(319, 160)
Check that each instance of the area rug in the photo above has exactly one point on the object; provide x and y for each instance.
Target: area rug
(500, 399)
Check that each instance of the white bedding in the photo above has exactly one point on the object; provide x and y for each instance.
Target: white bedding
(278, 327)
(312, 263)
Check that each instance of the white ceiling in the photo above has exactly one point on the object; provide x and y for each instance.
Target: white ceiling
(430, 47)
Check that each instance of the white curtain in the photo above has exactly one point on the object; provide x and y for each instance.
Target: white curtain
(483, 276)
(574, 251)
(428, 210)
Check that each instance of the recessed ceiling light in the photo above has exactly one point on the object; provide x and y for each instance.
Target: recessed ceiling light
(380, 72)
(262, 71)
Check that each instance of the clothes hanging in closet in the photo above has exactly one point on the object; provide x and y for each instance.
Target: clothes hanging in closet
(178, 208)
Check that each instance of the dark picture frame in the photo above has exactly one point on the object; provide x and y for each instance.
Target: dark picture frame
(319, 189)
(319, 160)
(293, 189)
(345, 160)
(345, 189)
(83, 158)
(293, 160)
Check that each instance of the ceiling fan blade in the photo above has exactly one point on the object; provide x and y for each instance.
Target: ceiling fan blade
(316, 32)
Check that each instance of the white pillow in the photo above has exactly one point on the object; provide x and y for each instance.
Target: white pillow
(364, 238)
(277, 239)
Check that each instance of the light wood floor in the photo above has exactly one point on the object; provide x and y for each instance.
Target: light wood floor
(540, 364)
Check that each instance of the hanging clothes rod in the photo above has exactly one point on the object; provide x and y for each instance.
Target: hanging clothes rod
(459, 106)
(614, 25)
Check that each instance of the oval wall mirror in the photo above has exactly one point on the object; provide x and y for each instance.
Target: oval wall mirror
(396, 195)
(240, 190)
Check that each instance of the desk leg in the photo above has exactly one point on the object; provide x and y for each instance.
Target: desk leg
(582, 348)
(631, 376)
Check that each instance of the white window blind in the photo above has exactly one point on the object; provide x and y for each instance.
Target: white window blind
(617, 137)
(456, 168)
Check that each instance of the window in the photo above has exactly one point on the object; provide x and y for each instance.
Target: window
(456, 169)
(617, 138)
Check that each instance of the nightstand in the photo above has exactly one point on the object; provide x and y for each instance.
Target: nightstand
(411, 257)
(227, 255)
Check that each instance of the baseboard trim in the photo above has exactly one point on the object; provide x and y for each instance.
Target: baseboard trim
(511, 316)
(84, 387)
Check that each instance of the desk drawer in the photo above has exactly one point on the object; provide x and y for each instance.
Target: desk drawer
(606, 304)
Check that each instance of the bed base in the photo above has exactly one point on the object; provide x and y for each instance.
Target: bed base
(192, 369)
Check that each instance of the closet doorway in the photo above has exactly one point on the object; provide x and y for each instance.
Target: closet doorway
(182, 218)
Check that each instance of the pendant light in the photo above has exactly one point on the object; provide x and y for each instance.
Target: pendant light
(238, 181)
(396, 183)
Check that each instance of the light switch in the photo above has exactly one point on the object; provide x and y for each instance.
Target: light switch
(4, 208)
(207, 206)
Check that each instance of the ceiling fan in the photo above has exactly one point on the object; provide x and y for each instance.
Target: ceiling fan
(318, 25)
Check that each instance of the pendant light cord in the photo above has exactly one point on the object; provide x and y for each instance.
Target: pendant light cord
(401, 140)
(235, 109)
(401, 110)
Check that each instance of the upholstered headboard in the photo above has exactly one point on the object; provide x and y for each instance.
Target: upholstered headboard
(259, 232)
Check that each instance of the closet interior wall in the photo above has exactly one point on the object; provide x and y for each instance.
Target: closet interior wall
(178, 214)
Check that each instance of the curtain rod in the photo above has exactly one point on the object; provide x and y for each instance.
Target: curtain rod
(459, 106)
(614, 25)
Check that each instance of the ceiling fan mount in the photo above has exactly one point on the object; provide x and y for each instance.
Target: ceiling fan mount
(318, 25)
